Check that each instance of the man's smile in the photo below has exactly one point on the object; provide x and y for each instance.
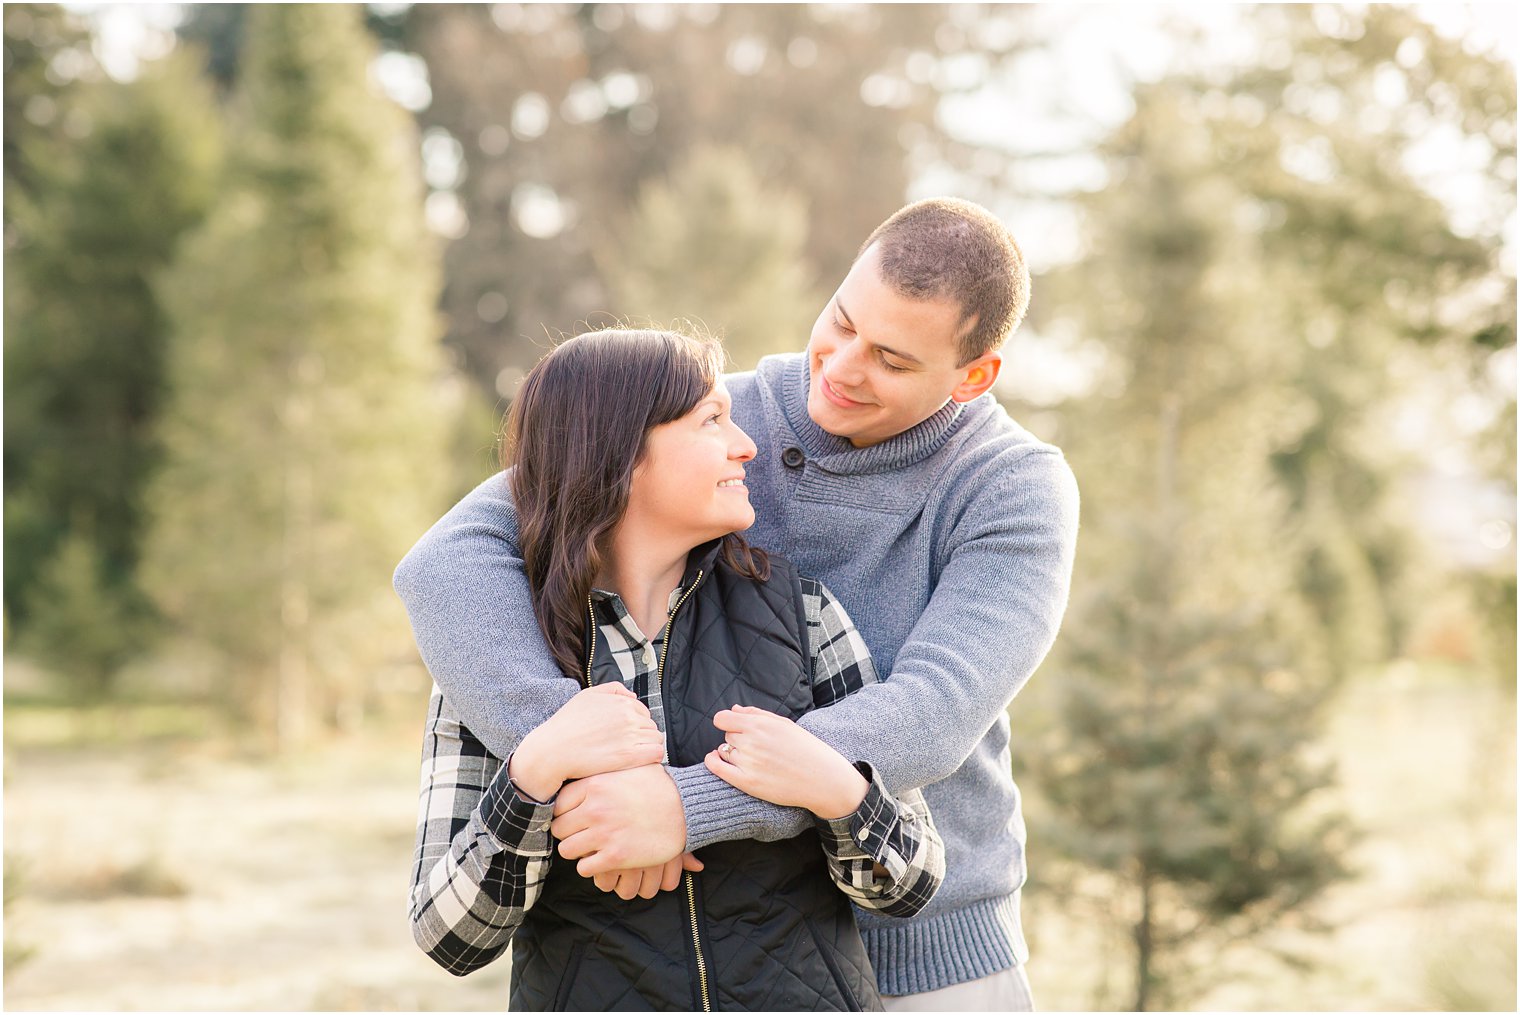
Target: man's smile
(835, 396)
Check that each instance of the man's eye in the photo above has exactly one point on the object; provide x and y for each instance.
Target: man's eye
(893, 367)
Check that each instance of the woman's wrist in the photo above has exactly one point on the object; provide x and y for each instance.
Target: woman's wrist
(532, 771)
(840, 792)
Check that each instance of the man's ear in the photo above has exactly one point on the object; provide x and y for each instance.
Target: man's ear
(979, 375)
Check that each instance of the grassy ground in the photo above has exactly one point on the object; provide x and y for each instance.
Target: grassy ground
(152, 867)
(1427, 772)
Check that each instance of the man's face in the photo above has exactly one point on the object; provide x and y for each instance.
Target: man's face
(882, 363)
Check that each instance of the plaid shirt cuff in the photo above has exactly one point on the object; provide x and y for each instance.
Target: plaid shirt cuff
(870, 830)
(509, 814)
(895, 835)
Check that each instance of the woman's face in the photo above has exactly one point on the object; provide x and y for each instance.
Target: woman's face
(690, 483)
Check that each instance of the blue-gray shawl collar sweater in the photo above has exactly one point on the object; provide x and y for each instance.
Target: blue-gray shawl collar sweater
(950, 545)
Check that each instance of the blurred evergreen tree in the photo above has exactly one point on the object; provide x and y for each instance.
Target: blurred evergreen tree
(47, 60)
(712, 245)
(1385, 283)
(304, 443)
(1189, 682)
(85, 630)
(84, 349)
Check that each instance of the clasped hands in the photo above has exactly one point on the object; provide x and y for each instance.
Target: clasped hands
(621, 818)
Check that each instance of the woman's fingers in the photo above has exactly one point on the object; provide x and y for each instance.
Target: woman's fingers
(611, 687)
(731, 721)
(723, 769)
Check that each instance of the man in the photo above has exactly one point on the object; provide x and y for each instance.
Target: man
(945, 529)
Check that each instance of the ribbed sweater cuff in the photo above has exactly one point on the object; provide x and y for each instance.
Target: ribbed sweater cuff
(716, 812)
(929, 953)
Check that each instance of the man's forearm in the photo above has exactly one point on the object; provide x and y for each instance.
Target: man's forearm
(471, 609)
(993, 616)
(717, 812)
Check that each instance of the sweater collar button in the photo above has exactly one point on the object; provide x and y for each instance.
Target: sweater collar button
(793, 458)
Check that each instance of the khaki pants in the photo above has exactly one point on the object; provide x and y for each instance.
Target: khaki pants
(1005, 991)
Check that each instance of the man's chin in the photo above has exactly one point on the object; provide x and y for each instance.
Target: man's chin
(826, 415)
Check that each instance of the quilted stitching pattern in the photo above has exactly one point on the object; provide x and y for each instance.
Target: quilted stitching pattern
(768, 911)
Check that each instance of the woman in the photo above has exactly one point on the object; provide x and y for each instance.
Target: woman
(628, 479)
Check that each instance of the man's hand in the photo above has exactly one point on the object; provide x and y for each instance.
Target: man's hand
(649, 881)
(602, 729)
(620, 821)
(772, 758)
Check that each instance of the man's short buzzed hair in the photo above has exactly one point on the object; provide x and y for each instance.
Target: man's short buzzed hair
(946, 248)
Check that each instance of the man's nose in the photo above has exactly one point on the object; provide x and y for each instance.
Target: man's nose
(846, 363)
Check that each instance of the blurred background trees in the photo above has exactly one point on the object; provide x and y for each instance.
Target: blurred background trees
(269, 293)
(89, 224)
(304, 435)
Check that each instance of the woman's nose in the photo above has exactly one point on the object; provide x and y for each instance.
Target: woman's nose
(742, 449)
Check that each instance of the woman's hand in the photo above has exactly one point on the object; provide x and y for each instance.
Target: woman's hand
(650, 881)
(772, 758)
(604, 728)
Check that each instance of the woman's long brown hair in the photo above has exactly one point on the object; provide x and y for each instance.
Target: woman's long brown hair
(574, 436)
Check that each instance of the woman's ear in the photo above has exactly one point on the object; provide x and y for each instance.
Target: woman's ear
(980, 374)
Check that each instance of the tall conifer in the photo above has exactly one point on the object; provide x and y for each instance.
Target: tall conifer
(100, 217)
(304, 436)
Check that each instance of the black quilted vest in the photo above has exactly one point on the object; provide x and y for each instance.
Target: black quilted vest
(761, 928)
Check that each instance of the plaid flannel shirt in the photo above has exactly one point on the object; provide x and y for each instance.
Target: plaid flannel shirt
(484, 850)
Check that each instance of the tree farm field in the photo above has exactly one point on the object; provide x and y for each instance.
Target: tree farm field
(150, 865)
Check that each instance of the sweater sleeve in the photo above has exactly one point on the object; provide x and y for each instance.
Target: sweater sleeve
(471, 610)
(991, 619)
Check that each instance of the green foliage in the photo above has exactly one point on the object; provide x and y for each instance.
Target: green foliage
(47, 57)
(85, 337)
(713, 245)
(82, 628)
(1181, 757)
(303, 437)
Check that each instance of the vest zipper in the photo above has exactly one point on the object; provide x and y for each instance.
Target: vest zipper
(591, 653)
(688, 876)
(691, 908)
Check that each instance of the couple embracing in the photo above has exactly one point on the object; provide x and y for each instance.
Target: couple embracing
(663, 762)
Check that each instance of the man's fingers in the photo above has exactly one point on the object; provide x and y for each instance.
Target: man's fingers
(578, 845)
(571, 796)
(606, 882)
(690, 862)
(612, 687)
(569, 823)
(649, 883)
(670, 877)
(628, 885)
(596, 863)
